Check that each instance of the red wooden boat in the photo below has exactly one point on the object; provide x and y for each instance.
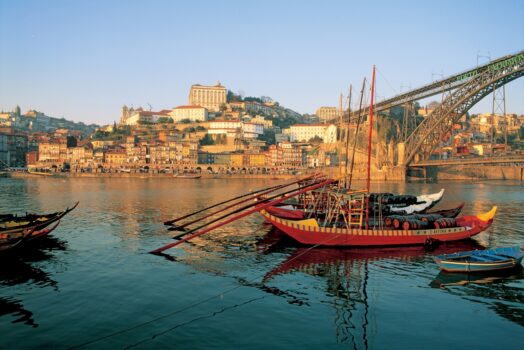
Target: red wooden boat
(311, 233)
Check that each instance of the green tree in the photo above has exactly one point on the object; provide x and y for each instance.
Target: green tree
(164, 120)
(268, 136)
(206, 140)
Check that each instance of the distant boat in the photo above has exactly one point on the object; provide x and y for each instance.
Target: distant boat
(187, 176)
(481, 260)
(40, 173)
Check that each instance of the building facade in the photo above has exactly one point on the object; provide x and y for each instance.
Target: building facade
(192, 113)
(210, 97)
(13, 149)
(306, 132)
(327, 113)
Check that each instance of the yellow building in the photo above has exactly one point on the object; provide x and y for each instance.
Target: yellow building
(257, 160)
(116, 156)
(237, 159)
(52, 152)
(210, 97)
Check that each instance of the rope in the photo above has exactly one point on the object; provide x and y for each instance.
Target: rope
(124, 330)
(387, 82)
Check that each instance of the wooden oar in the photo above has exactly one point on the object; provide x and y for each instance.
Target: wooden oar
(238, 210)
(252, 194)
(252, 197)
(241, 215)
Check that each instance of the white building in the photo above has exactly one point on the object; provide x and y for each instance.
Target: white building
(233, 128)
(139, 116)
(305, 132)
(193, 113)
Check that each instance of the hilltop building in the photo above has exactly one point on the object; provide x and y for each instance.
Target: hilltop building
(210, 97)
(327, 113)
(132, 116)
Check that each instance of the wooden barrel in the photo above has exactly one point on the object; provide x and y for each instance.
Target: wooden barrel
(398, 221)
(414, 224)
(445, 223)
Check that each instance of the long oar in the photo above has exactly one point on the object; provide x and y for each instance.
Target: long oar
(170, 222)
(238, 210)
(241, 215)
(252, 197)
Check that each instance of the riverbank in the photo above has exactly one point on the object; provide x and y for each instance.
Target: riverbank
(392, 174)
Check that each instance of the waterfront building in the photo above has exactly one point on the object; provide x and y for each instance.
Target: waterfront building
(192, 113)
(13, 149)
(291, 154)
(53, 151)
(326, 114)
(274, 156)
(255, 159)
(306, 132)
(210, 97)
(116, 156)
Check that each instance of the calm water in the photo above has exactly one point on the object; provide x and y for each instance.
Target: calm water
(243, 286)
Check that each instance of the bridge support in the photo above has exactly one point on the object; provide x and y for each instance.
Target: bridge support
(401, 149)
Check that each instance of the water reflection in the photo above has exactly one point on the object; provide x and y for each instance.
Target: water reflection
(346, 273)
(19, 267)
(493, 289)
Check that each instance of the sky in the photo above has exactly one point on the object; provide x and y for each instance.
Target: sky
(83, 60)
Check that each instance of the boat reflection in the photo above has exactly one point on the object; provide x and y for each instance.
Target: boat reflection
(493, 289)
(347, 273)
(19, 268)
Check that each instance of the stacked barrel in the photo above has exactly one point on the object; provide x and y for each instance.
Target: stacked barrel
(419, 221)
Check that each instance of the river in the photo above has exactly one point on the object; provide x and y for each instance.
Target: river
(93, 285)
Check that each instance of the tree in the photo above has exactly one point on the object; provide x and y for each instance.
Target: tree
(222, 107)
(232, 97)
(164, 120)
(316, 140)
(185, 121)
(206, 140)
(268, 136)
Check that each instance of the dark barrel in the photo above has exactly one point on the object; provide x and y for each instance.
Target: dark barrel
(445, 223)
(414, 224)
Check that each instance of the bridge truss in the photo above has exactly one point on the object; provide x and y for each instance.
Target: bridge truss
(463, 90)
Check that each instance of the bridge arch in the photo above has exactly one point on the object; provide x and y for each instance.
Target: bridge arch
(429, 133)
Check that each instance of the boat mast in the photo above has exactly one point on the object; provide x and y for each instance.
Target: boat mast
(356, 132)
(340, 142)
(370, 136)
(347, 138)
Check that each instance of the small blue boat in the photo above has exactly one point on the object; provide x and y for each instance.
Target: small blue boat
(481, 260)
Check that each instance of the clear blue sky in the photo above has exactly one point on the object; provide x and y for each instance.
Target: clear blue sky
(84, 59)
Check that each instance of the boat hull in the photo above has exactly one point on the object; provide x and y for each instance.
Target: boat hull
(453, 266)
(306, 232)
